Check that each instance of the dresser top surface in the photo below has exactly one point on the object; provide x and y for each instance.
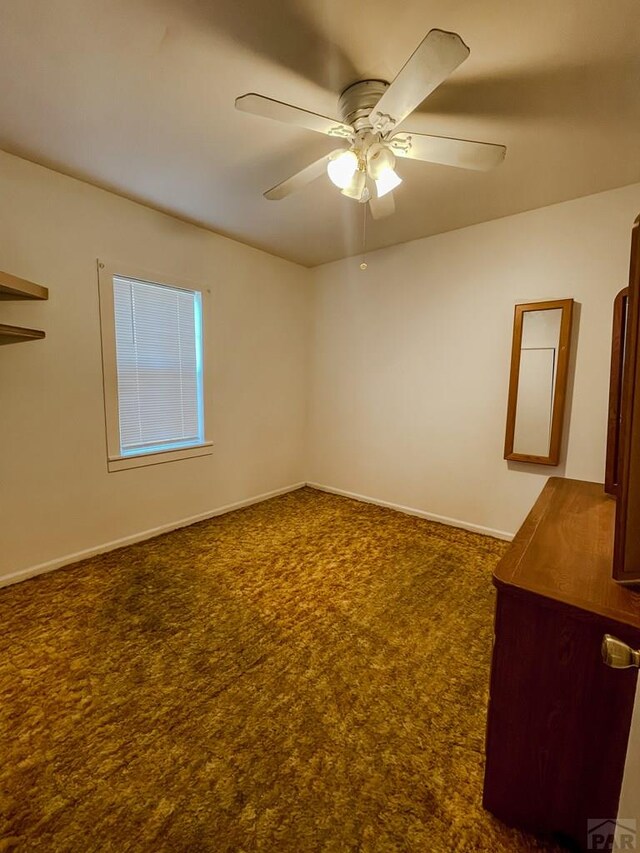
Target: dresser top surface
(564, 551)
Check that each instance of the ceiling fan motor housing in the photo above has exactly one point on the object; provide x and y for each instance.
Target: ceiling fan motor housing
(358, 100)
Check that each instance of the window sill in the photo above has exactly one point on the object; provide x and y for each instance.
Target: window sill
(122, 463)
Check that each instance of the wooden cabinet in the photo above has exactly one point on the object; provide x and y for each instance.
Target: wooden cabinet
(559, 718)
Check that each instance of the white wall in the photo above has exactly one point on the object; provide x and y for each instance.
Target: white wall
(410, 361)
(56, 497)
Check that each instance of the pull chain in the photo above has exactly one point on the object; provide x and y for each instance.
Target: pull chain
(363, 265)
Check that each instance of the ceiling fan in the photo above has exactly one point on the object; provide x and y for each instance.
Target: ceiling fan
(371, 112)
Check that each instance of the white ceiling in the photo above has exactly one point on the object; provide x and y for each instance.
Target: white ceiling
(137, 96)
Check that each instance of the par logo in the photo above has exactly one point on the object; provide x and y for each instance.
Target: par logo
(611, 835)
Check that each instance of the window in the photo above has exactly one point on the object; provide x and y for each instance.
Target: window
(153, 368)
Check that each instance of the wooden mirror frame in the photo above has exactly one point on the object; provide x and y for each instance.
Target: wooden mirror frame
(618, 339)
(560, 390)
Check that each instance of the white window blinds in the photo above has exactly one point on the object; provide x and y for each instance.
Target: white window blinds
(159, 366)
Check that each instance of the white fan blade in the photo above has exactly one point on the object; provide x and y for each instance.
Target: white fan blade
(267, 108)
(439, 54)
(462, 153)
(301, 179)
(381, 207)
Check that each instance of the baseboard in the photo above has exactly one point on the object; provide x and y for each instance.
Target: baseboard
(429, 516)
(58, 563)
(68, 559)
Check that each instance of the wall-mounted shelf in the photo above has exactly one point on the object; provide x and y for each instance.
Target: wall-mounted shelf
(15, 334)
(12, 287)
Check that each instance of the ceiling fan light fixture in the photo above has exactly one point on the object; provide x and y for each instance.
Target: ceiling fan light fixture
(379, 160)
(355, 187)
(342, 169)
(388, 180)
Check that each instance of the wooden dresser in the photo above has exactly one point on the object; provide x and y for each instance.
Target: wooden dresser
(559, 717)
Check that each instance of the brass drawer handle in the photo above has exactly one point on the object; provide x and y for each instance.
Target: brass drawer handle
(617, 654)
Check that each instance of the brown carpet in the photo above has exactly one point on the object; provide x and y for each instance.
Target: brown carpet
(308, 674)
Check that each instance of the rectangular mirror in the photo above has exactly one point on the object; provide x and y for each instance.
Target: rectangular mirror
(538, 383)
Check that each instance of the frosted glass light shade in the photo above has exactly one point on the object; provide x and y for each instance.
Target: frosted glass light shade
(355, 187)
(342, 169)
(379, 160)
(388, 180)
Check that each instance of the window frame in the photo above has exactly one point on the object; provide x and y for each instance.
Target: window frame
(116, 460)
